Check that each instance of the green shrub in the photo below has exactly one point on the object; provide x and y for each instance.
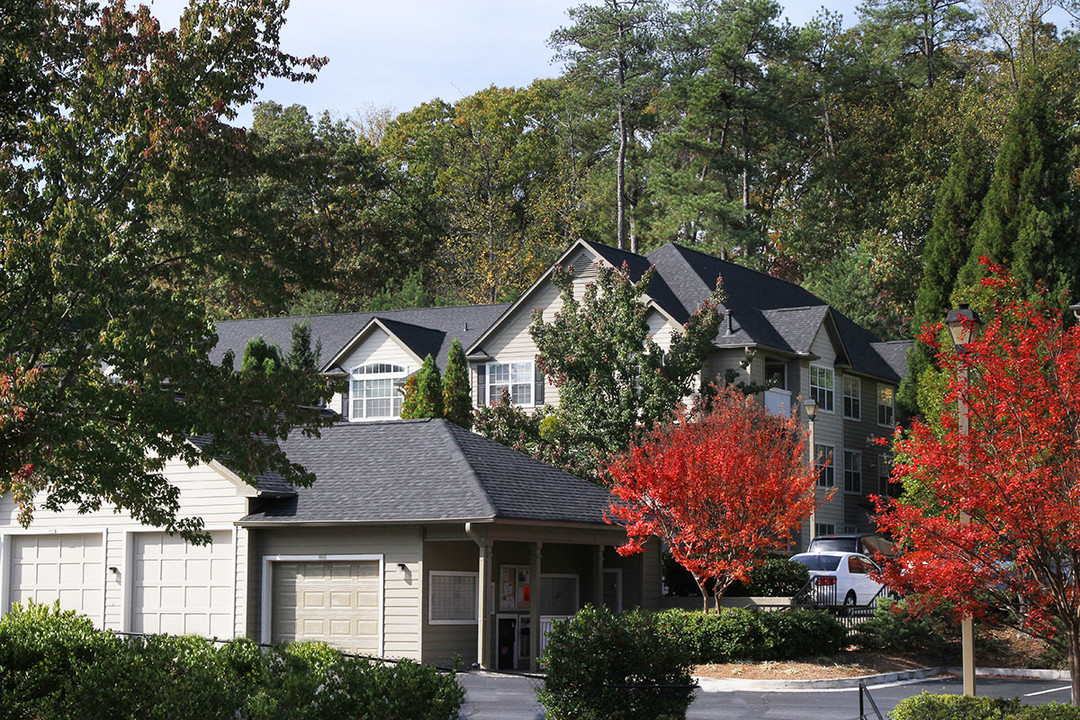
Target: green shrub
(777, 578)
(736, 634)
(802, 633)
(603, 666)
(959, 707)
(893, 628)
(44, 652)
(313, 680)
(54, 665)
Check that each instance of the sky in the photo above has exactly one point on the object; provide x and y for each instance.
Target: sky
(397, 54)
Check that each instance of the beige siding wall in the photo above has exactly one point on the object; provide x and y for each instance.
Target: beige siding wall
(722, 360)
(443, 642)
(402, 589)
(512, 343)
(378, 347)
(204, 493)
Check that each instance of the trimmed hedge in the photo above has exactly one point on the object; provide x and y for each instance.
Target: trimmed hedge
(959, 707)
(736, 634)
(55, 664)
(603, 666)
(893, 628)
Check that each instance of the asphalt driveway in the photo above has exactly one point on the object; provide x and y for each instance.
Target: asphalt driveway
(508, 697)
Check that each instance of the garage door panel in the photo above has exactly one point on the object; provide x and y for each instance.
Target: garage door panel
(59, 567)
(180, 588)
(335, 602)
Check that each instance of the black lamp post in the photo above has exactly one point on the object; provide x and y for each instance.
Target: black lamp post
(810, 406)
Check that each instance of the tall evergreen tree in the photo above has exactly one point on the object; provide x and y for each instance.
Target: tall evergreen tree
(457, 395)
(948, 245)
(610, 50)
(426, 401)
(301, 355)
(1029, 216)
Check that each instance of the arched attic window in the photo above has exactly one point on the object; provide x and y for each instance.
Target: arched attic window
(373, 391)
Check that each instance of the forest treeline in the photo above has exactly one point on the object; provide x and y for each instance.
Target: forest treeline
(871, 163)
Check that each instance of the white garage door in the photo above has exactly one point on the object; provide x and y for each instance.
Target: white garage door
(182, 589)
(68, 568)
(336, 602)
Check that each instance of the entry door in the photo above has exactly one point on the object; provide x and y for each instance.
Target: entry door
(613, 589)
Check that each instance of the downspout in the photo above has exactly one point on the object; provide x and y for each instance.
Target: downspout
(483, 643)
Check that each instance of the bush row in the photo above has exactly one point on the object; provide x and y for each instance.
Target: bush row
(959, 707)
(55, 664)
(743, 634)
(636, 665)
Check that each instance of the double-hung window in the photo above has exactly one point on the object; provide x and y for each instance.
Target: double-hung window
(821, 387)
(826, 469)
(886, 408)
(852, 471)
(373, 392)
(515, 377)
(852, 398)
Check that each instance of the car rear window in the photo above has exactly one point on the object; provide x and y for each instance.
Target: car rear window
(834, 544)
(825, 563)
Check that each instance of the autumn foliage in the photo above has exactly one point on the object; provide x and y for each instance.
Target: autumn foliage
(990, 522)
(722, 487)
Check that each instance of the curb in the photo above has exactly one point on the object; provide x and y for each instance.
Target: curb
(734, 684)
(1030, 673)
(731, 684)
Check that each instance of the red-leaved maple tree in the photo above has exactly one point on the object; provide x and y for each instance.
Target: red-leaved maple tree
(721, 487)
(990, 521)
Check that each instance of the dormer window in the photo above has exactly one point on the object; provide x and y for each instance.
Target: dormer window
(373, 392)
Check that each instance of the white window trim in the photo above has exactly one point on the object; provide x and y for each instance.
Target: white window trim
(857, 397)
(892, 405)
(391, 376)
(265, 622)
(822, 407)
(858, 460)
(432, 574)
(493, 395)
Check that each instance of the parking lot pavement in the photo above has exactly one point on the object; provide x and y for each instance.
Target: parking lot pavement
(507, 697)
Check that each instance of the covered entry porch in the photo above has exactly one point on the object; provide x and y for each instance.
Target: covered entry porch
(531, 574)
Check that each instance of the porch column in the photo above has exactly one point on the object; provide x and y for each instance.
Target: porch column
(534, 607)
(483, 612)
(598, 576)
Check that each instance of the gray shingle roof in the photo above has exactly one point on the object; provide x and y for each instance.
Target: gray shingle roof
(423, 330)
(894, 353)
(426, 470)
(764, 310)
(270, 482)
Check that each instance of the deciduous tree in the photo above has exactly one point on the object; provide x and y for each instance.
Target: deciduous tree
(615, 381)
(722, 487)
(990, 524)
(114, 171)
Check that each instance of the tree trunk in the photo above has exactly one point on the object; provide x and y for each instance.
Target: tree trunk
(1074, 663)
(620, 170)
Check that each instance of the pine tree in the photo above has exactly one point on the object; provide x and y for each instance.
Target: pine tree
(424, 398)
(457, 395)
(301, 355)
(948, 245)
(1028, 218)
